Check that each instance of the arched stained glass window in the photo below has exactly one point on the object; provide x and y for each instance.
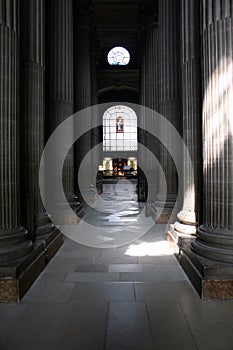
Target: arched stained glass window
(118, 56)
(119, 129)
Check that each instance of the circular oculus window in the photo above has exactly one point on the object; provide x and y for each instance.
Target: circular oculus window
(118, 56)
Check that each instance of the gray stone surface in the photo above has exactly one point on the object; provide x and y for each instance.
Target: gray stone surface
(60, 88)
(32, 108)
(165, 314)
(215, 236)
(169, 91)
(14, 242)
(191, 113)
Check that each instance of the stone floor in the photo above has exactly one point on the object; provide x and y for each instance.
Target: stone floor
(131, 297)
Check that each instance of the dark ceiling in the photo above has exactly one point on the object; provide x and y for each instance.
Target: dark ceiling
(119, 23)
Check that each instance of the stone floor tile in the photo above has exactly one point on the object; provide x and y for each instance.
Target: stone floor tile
(92, 268)
(10, 315)
(165, 260)
(214, 336)
(42, 322)
(128, 326)
(167, 272)
(164, 290)
(87, 327)
(49, 292)
(53, 276)
(169, 327)
(159, 275)
(125, 268)
(200, 312)
(92, 277)
(103, 291)
(36, 345)
(60, 263)
(119, 259)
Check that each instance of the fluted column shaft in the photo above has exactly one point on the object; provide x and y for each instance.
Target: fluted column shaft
(59, 82)
(82, 87)
(149, 87)
(32, 68)
(14, 241)
(169, 86)
(191, 105)
(215, 236)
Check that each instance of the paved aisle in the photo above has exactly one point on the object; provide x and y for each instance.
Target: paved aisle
(134, 297)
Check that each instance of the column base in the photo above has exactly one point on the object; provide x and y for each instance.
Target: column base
(163, 209)
(52, 243)
(64, 218)
(158, 216)
(210, 278)
(18, 276)
(178, 231)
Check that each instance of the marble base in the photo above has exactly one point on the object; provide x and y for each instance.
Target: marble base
(164, 218)
(16, 278)
(52, 243)
(211, 279)
(161, 219)
(54, 246)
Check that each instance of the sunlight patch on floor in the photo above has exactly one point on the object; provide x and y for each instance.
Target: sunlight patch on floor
(149, 249)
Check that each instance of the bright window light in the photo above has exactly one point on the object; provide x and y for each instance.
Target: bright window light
(118, 56)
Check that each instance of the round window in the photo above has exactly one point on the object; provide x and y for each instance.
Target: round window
(118, 56)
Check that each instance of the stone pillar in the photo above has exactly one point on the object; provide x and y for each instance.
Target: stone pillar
(59, 84)
(20, 260)
(82, 85)
(96, 132)
(151, 101)
(142, 183)
(191, 105)
(215, 236)
(208, 259)
(93, 63)
(169, 93)
(32, 116)
(151, 63)
(149, 95)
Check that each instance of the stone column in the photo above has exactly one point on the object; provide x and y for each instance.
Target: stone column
(96, 132)
(151, 63)
(32, 119)
(82, 85)
(20, 260)
(215, 236)
(151, 101)
(191, 105)
(59, 83)
(169, 93)
(149, 94)
(142, 183)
